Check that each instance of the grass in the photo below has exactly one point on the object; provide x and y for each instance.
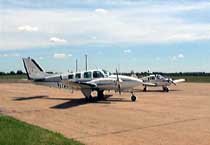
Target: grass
(12, 77)
(195, 79)
(15, 132)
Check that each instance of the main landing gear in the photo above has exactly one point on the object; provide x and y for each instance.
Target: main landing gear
(89, 99)
(100, 94)
(165, 89)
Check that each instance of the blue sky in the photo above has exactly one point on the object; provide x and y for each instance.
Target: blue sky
(134, 35)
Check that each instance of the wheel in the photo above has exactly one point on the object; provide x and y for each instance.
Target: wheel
(133, 98)
(145, 89)
(165, 89)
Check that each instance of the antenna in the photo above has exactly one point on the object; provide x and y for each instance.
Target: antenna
(76, 65)
(86, 62)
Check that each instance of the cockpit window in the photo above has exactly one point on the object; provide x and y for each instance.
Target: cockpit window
(97, 74)
(106, 72)
(160, 77)
(152, 78)
(78, 76)
(87, 74)
(70, 76)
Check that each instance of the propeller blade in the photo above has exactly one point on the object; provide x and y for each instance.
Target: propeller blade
(118, 83)
(173, 83)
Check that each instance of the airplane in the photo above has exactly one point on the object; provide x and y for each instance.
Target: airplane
(87, 81)
(157, 80)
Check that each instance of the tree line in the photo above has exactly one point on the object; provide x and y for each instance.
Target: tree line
(138, 74)
(18, 72)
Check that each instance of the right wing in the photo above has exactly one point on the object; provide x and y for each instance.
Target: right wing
(179, 81)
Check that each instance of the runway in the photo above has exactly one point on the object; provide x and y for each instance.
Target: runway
(180, 117)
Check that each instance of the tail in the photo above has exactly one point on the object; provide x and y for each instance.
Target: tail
(33, 70)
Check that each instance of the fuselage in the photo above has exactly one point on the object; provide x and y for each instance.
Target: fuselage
(158, 80)
(104, 80)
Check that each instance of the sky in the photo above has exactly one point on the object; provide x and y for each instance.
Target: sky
(139, 35)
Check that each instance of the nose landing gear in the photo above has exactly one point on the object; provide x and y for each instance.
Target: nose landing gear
(165, 89)
(145, 89)
(133, 98)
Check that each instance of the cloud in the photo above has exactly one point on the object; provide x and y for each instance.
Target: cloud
(127, 51)
(70, 55)
(41, 58)
(157, 58)
(126, 24)
(180, 55)
(27, 28)
(177, 57)
(59, 55)
(5, 55)
(57, 40)
(101, 11)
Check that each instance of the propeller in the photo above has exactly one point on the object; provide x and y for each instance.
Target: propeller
(118, 82)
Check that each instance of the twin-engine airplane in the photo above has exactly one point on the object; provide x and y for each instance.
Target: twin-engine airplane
(158, 80)
(87, 81)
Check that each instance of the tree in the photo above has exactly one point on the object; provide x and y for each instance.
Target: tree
(12, 73)
(19, 72)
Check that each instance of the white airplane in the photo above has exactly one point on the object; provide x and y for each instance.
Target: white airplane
(87, 81)
(157, 80)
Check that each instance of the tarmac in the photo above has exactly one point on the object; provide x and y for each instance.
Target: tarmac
(179, 117)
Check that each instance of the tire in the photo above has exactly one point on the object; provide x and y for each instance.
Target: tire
(133, 98)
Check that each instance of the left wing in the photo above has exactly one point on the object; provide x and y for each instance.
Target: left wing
(86, 88)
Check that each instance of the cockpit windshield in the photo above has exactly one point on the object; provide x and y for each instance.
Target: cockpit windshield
(97, 74)
(106, 73)
(160, 77)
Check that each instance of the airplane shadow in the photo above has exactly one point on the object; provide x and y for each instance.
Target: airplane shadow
(161, 91)
(28, 98)
(73, 102)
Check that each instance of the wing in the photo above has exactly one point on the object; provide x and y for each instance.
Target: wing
(86, 88)
(148, 84)
(79, 85)
(179, 81)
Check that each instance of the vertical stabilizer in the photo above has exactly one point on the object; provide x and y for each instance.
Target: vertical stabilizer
(33, 70)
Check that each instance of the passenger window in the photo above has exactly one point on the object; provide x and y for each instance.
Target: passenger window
(70, 76)
(87, 74)
(78, 76)
(97, 74)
